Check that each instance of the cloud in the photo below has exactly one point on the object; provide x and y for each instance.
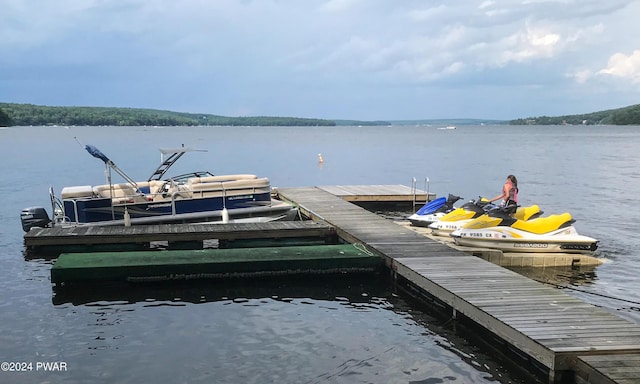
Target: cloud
(621, 69)
(624, 67)
(532, 43)
(339, 5)
(235, 55)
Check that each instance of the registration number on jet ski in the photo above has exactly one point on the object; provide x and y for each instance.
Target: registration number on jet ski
(478, 234)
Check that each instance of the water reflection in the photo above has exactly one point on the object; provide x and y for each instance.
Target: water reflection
(352, 289)
(560, 276)
(331, 329)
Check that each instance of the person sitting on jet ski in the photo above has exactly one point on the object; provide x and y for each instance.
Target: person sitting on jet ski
(509, 194)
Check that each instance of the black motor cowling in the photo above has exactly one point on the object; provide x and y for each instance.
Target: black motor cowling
(34, 217)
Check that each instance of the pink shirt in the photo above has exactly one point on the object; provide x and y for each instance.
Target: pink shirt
(510, 191)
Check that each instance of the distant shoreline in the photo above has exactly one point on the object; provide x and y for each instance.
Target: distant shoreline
(12, 114)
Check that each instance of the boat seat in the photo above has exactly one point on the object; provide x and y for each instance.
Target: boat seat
(221, 178)
(154, 186)
(543, 224)
(210, 186)
(246, 184)
(230, 188)
(75, 192)
(119, 191)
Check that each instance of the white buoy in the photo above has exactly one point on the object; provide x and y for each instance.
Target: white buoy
(127, 218)
(320, 159)
(225, 215)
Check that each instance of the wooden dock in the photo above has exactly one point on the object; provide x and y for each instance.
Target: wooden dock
(548, 326)
(613, 369)
(60, 239)
(99, 238)
(379, 194)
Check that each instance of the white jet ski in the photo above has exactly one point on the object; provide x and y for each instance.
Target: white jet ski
(498, 230)
(433, 211)
(469, 210)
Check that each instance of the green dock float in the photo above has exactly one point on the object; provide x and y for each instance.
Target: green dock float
(213, 263)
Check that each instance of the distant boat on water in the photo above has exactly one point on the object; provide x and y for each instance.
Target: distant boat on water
(448, 127)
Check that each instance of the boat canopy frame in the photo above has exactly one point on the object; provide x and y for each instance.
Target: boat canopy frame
(168, 157)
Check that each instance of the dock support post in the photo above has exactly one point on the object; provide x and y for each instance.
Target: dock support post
(561, 377)
(553, 377)
(426, 188)
(393, 271)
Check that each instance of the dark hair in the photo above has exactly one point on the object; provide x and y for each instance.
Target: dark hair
(514, 181)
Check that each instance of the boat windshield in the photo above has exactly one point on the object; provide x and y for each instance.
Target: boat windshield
(183, 178)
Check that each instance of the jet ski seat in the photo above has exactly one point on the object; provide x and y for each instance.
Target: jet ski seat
(543, 225)
(528, 213)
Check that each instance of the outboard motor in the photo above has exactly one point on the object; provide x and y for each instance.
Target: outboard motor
(34, 217)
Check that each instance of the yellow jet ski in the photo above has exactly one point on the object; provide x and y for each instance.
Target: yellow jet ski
(498, 230)
(458, 217)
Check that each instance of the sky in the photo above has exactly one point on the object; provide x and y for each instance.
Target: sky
(329, 59)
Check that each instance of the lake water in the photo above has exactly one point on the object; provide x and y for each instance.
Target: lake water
(338, 330)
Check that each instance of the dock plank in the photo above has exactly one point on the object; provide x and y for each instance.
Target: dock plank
(378, 193)
(620, 369)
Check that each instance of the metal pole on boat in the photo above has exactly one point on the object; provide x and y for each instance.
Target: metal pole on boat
(413, 191)
(225, 213)
(127, 217)
(53, 207)
(108, 173)
(426, 187)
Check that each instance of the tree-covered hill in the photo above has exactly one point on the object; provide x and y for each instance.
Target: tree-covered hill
(29, 114)
(361, 122)
(621, 116)
(445, 122)
(5, 121)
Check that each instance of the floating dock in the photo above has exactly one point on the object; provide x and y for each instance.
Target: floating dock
(114, 238)
(613, 369)
(380, 194)
(213, 263)
(545, 325)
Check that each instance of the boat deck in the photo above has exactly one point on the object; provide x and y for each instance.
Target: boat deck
(547, 325)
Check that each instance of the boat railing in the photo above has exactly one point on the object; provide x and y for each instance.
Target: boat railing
(230, 190)
(169, 190)
(57, 210)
